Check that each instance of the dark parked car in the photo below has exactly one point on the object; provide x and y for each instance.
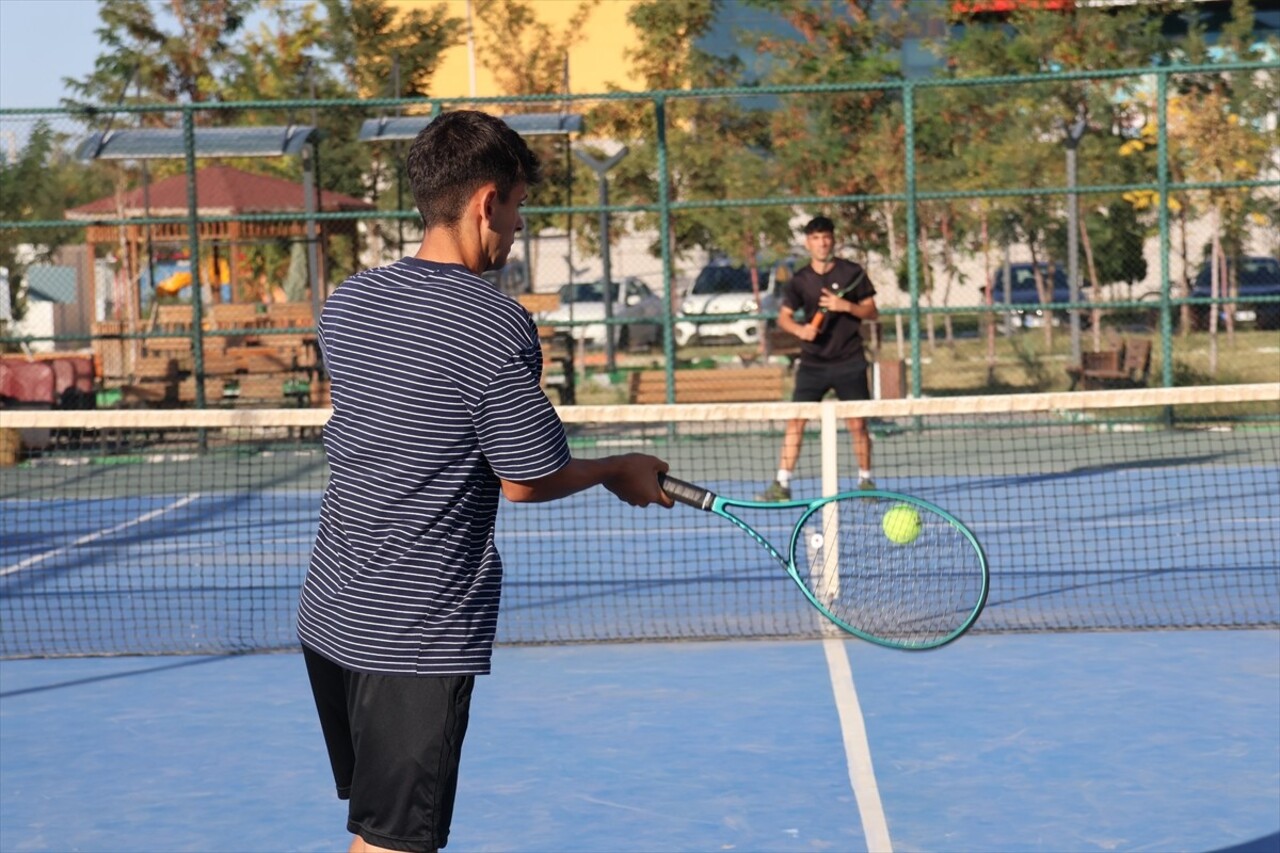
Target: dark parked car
(1255, 276)
(1024, 300)
(512, 279)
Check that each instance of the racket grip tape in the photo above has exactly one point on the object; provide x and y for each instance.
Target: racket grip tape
(687, 493)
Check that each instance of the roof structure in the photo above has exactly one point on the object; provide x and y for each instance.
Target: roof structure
(167, 143)
(220, 191)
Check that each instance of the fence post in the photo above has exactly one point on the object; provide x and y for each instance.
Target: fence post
(193, 246)
(913, 260)
(1162, 179)
(664, 237)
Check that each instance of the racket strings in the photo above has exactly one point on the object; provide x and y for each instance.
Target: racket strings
(915, 593)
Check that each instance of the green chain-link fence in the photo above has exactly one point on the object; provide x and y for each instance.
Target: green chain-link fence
(1014, 228)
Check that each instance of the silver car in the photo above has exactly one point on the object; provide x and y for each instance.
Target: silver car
(584, 303)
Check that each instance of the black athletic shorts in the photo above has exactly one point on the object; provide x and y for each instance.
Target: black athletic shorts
(394, 742)
(848, 379)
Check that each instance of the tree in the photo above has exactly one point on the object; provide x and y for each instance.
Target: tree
(40, 184)
(529, 57)
(369, 39)
(1034, 120)
(179, 60)
(526, 56)
(847, 143)
(718, 149)
(1217, 131)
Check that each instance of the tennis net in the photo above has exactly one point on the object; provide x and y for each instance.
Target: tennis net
(148, 532)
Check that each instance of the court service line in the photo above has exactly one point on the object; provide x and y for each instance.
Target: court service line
(857, 750)
(85, 540)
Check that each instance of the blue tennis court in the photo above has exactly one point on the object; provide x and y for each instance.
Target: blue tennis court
(1026, 742)
(1097, 705)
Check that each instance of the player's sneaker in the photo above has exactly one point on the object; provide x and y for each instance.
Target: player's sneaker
(775, 492)
(866, 484)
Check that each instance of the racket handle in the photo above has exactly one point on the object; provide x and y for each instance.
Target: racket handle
(819, 317)
(687, 493)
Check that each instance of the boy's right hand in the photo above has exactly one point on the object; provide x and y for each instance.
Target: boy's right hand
(635, 480)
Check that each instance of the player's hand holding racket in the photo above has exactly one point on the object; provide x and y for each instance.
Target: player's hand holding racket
(886, 567)
(830, 300)
(632, 479)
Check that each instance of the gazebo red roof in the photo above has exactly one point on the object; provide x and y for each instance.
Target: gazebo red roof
(220, 191)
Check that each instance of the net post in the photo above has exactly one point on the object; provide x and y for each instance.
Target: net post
(828, 582)
(830, 449)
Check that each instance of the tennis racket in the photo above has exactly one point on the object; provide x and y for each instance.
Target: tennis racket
(889, 568)
(820, 316)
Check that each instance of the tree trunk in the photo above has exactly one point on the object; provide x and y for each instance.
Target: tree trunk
(948, 326)
(749, 254)
(989, 319)
(926, 276)
(1095, 315)
(1215, 290)
(1045, 315)
(1184, 313)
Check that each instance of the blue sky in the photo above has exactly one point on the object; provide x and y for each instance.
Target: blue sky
(41, 42)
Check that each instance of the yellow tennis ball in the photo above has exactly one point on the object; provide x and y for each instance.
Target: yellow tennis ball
(901, 524)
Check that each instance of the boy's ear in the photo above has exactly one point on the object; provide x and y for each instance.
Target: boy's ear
(488, 200)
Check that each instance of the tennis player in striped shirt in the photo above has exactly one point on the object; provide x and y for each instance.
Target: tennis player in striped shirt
(437, 410)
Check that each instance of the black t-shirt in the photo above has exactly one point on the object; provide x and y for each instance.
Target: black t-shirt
(841, 337)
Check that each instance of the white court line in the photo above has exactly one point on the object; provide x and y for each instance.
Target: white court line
(857, 750)
(84, 540)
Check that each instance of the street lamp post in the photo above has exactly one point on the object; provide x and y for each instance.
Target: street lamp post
(601, 168)
(1074, 132)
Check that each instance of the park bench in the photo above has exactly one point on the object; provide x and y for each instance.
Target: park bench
(175, 319)
(784, 344)
(721, 385)
(557, 364)
(1125, 366)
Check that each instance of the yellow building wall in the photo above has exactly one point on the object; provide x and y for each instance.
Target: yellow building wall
(594, 63)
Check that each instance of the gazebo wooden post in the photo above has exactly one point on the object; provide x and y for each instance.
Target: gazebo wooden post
(132, 299)
(239, 293)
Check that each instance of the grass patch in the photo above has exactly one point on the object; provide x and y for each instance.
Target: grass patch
(1023, 363)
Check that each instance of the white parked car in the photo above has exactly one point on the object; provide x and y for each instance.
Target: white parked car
(585, 302)
(724, 289)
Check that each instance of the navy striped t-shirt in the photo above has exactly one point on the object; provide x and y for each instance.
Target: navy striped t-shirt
(435, 397)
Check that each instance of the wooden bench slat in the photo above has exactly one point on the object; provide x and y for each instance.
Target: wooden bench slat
(1128, 365)
(558, 364)
(729, 385)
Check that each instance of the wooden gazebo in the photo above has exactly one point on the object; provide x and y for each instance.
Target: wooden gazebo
(221, 191)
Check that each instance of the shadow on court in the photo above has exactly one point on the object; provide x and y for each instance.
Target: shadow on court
(1270, 844)
(133, 673)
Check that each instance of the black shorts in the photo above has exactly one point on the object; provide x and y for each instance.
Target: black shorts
(848, 380)
(394, 742)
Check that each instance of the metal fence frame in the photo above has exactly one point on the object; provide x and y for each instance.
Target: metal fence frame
(665, 207)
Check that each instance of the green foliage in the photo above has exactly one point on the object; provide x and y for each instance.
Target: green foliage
(179, 60)
(40, 184)
(720, 149)
(724, 148)
(848, 143)
(368, 40)
(524, 54)
(1115, 237)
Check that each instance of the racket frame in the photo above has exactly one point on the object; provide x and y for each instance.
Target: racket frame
(708, 501)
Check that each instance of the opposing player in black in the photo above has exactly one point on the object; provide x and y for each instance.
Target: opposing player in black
(836, 296)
